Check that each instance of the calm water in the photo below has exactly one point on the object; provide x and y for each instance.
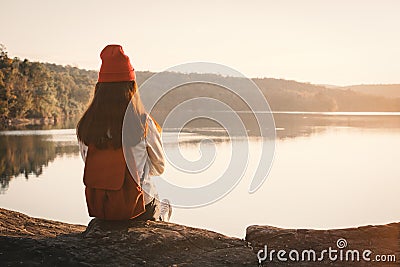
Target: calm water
(329, 171)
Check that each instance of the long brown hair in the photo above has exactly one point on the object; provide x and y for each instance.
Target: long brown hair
(101, 124)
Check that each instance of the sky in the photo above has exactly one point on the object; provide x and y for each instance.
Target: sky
(338, 42)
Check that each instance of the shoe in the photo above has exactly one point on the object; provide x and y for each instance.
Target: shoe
(165, 210)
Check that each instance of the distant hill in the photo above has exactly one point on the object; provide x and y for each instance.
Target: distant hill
(292, 95)
(386, 90)
(282, 95)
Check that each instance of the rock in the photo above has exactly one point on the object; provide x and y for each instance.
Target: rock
(31, 241)
(35, 242)
(381, 240)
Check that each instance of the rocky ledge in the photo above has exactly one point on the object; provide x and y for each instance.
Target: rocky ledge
(31, 241)
(373, 245)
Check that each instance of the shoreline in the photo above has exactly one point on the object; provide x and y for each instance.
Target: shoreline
(14, 122)
(21, 124)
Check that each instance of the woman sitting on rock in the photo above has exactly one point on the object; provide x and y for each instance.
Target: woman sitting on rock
(120, 155)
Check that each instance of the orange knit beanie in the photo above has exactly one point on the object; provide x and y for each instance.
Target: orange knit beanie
(115, 66)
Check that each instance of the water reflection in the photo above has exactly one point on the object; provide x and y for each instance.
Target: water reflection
(27, 154)
(292, 125)
(27, 151)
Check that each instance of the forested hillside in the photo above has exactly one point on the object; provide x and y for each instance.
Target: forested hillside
(42, 90)
(282, 95)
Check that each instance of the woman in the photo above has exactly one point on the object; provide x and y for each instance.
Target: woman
(114, 191)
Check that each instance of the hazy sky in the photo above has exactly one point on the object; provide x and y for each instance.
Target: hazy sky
(331, 42)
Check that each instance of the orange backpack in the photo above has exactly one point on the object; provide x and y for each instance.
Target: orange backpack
(111, 191)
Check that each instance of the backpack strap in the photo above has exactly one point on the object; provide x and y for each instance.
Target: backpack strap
(145, 117)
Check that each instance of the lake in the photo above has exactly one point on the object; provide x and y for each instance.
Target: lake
(330, 170)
